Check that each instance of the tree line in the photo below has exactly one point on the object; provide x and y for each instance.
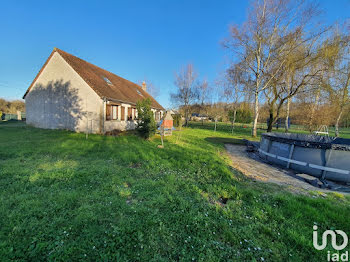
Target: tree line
(284, 62)
(11, 107)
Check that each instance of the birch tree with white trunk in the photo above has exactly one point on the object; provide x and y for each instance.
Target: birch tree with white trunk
(259, 45)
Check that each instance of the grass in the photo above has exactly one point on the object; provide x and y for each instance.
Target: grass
(121, 198)
(245, 129)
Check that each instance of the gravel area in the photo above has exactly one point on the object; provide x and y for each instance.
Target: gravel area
(251, 166)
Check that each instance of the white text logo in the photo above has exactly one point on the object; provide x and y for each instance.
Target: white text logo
(333, 234)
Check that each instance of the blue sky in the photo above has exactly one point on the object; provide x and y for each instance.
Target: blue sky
(133, 39)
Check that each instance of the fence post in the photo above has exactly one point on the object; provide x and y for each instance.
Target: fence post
(19, 115)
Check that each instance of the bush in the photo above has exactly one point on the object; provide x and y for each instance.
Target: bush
(231, 115)
(244, 116)
(146, 125)
(177, 120)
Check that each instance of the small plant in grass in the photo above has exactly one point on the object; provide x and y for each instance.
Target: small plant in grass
(146, 125)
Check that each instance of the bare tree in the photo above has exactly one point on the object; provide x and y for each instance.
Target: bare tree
(186, 93)
(261, 42)
(232, 91)
(215, 111)
(214, 108)
(203, 90)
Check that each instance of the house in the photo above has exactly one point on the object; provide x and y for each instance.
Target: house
(173, 112)
(70, 93)
(198, 117)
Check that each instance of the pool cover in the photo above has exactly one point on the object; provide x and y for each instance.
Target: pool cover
(311, 141)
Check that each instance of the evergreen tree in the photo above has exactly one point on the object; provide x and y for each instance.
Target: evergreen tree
(146, 125)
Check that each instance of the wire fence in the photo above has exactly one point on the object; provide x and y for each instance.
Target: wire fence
(8, 117)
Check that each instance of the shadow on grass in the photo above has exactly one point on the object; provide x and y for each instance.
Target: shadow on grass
(224, 140)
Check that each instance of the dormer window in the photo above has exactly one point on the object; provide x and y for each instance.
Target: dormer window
(107, 80)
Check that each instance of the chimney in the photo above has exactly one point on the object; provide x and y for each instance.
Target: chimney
(144, 86)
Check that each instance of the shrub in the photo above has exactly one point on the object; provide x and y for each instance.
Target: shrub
(231, 115)
(146, 125)
(244, 116)
(177, 120)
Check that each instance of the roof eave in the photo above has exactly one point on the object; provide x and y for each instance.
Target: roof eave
(126, 102)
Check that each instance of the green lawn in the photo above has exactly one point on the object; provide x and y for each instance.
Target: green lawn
(245, 129)
(63, 198)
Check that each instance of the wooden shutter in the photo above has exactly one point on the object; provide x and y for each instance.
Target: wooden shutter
(122, 109)
(108, 112)
(130, 112)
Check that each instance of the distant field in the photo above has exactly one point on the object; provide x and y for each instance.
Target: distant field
(245, 129)
(65, 198)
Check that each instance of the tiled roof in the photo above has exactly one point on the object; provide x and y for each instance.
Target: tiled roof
(103, 82)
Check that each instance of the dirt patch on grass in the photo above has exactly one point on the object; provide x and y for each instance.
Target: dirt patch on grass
(116, 132)
(135, 165)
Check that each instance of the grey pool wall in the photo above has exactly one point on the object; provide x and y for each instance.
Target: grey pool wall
(319, 156)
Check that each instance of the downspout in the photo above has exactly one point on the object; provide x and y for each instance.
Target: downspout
(104, 116)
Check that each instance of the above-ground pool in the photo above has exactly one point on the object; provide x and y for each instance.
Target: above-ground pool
(319, 156)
